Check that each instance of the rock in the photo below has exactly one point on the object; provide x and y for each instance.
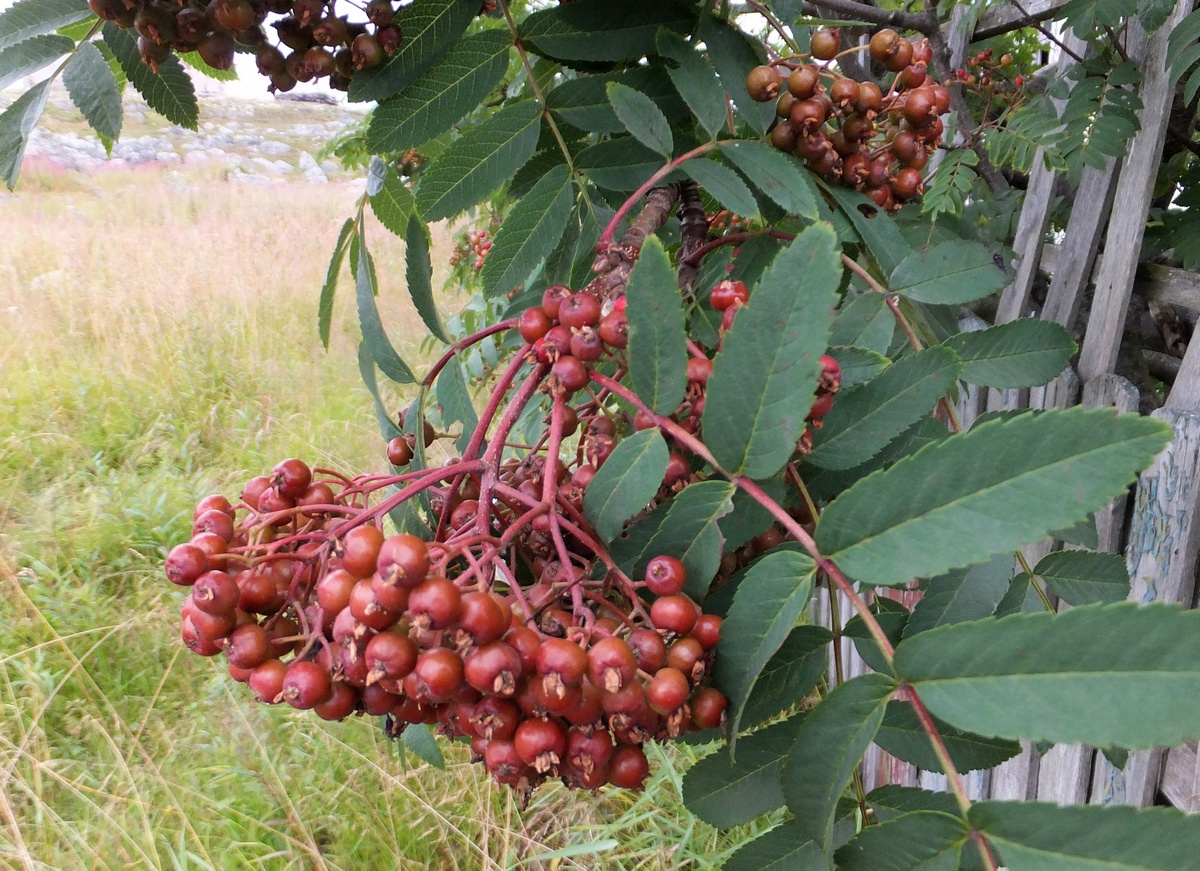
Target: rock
(311, 169)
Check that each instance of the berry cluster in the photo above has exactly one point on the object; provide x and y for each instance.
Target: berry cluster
(312, 41)
(478, 244)
(853, 133)
(511, 626)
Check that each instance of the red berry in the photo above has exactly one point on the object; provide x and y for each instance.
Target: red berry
(306, 685)
(361, 549)
(215, 593)
(403, 560)
(628, 767)
(266, 681)
(667, 690)
(611, 664)
(493, 669)
(389, 655)
(708, 708)
(342, 702)
(248, 646)
(675, 613)
(438, 673)
(533, 324)
(552, 298)
(437, 601)
(291, 478)
(399, 451)
(727, 293)
(579, 310)
(665, 575)
(185, 563)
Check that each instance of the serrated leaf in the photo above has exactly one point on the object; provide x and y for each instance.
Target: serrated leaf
(28, 18)
(695, 80)
(865, 322)
(734, 54)
(1020, 598)
(892, 800)
(430, 28)
(604, 30)
(875, 227)
(478, 163)
(768, 603)
(1042, 472)
(419, 739)
(1021, 353)
(418, 275)
(948, 190)
(641, 117)
(454, 399)
(780, 176)
(1046, 837)
(765, 375)
(949, 273)
(620, 164)
(16, 124)
(962, 594)
(725, 791)
(374, 336)
(723, 185)
(169, 92)
(329, 288)
(787, 847)
(685, 528)
(748, 517)
(831, 741)
(866, 418)
(902, 736)
(393, 202)
(583, 102)
(442, 95)
(921, 841)
(858, 366)
(529, 233)
(622, 489)
(93, 89)
(1081, 577)
(30, 55)
(790, 674)
(657, 335)
(1118, 675)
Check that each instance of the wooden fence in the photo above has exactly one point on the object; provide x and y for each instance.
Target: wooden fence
(1158, 524)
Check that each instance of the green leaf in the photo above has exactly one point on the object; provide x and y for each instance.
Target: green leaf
(1042, 472)
(789, 675)
(657, 335)
(865, 322)
(788, 847)
(686, 528)
(748, 517)
(419, 739)
(169, 92)
(430, 28)
(1118, 675)
(374, 336)
(604, 30)
(1045, 837)
(921, 841)
(641, 117)
(583, 102)
(949, 273)
(725, 792)
(529, 233)
(622, 489)
(858, 366)
(948, 191)
(16, 123)
(734, 54)
(764, 377)
(418, 274)
(478, 163)
(902, 736)
(1020, 353)
(443, 94)
(780, 176)
(366, 368)
(393, 203)
(892, 617)
(93, 89)
(1020, 598)
(724, 185)
(831, 741)
(879, 232)
(30, 55)
(28, 18)
(865, 419)
(325, 305)
(695, 80)
(962, 594)
(454, 401)
(768, 603)
(892, 800)
(1081, 577)
(620, 164)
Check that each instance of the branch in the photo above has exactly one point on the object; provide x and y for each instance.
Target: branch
(864, 12)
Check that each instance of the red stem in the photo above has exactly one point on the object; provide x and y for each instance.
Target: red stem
(607, 236)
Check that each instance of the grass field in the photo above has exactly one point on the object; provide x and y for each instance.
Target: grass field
(158, 343)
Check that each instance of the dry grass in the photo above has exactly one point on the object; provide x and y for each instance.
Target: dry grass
(158, 342)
